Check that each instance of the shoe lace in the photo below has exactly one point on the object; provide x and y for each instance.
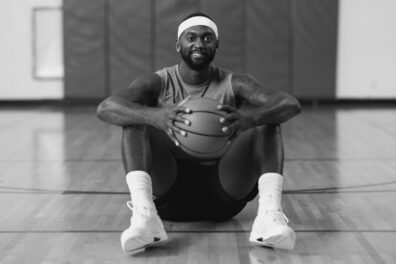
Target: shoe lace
(139, 210)
(278, 216)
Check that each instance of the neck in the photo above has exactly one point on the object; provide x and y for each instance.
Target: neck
(194, 77)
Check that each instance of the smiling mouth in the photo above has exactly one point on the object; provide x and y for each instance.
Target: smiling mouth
(198, 54)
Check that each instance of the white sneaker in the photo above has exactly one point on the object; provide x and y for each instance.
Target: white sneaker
(146, 230)
(270, 229)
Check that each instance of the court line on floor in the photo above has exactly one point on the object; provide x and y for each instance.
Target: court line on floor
(335, 191)
(60, 160)
(195, 231)
(345, 189)
(127, 193)
(119, 160)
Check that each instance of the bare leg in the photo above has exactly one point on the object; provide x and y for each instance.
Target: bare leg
(253, 153)
(151, 169)
(256, 157)
(148, 149)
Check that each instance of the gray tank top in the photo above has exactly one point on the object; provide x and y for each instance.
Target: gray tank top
(174, 89)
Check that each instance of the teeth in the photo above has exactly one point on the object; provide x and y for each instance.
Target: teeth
(197, 54)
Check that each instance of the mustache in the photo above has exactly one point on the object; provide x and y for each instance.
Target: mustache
(202, 51)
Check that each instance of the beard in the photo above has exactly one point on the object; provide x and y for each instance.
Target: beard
(197, 64)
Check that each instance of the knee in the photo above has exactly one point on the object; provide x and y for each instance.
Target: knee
(134, 132)
(260, 133)
(137, 130)
(268, 130)
(269, 150)
(144, 136)
(267, 135)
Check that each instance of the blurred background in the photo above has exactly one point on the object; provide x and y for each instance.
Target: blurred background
(85, 50)
(62, 184)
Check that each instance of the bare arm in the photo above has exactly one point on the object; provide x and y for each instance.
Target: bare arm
(138, 105)
(135, 105)
(262, 105)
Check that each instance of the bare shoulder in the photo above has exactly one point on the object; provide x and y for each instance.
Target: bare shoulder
(144, 90)
(243, 80)
(249, 89)
(149, 84)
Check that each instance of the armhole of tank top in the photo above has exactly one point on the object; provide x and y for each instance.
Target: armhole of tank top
(163, 76)
(232, 91)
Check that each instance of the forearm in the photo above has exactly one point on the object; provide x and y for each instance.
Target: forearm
(121, 112)
(276, 111)
(263, 105)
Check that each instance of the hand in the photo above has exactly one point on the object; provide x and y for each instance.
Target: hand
(235, 121)
(173, 115)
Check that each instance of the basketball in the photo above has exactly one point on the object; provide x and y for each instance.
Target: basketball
(204, 139)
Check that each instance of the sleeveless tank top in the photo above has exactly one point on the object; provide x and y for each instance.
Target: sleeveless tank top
(174, 89)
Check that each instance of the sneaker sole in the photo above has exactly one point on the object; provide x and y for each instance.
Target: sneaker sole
(280, 237)
(143, 243)
(274, 242)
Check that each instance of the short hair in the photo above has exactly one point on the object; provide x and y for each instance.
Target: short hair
(196, 14)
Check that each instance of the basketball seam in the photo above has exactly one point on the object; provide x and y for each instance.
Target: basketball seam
(205, 111)
(212, 110)
(202, 134)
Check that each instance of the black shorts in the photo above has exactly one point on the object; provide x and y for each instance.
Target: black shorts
(197, 195)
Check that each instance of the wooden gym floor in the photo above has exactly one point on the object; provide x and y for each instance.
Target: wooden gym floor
(62, 193)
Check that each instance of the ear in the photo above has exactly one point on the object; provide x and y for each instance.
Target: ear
(177, 46)
(217, 44)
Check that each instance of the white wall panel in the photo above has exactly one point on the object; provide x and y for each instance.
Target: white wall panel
(366, 66)
(19, 78)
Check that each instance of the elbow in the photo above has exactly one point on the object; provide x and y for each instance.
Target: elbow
(292, 108)
(103, 110)
(295, 106)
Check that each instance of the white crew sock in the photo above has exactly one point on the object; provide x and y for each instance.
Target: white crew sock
(139, 183)
(270, 192)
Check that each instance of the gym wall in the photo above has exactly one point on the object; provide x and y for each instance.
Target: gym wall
(31, 50)
(286, 44)
(328, 49)
(366, 61)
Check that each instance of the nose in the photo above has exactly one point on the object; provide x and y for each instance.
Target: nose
(198, 43)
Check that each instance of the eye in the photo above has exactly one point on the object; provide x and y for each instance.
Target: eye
(190, 38)
(208, 38)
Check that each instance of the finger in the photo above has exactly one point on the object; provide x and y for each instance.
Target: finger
(179, 131)
(169, 132)
(176, 142)
(179, 119)
(233, 130)
(235, 134)
(173, 130)
(172, 136)
(232, 134)
(226, 108)
(182, 109)
(228, 118)
(227, 130)
(176, 130)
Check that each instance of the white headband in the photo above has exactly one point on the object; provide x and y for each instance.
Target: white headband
(197, 21)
